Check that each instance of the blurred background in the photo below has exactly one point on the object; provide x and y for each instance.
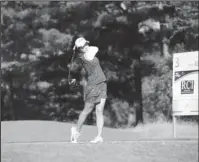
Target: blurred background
(136, 42)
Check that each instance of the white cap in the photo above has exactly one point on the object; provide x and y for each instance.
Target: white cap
(80, 42)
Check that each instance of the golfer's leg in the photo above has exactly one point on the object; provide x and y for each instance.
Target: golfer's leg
(100, 116)
(88, 107)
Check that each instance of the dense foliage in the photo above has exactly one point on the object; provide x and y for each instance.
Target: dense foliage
(136, 42)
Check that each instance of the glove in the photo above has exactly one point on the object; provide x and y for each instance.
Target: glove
(72, 82)
(73, 85)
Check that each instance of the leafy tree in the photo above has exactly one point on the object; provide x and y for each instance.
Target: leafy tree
(136, 42)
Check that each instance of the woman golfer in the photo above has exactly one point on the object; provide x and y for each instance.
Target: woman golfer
(95, 89)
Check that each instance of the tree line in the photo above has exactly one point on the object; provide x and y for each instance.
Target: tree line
(136, 42)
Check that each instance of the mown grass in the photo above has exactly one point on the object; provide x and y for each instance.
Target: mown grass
(47, 141)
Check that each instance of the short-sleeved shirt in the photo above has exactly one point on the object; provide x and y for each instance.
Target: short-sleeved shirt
(93, 71)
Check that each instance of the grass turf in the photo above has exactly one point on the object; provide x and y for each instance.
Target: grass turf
(47, 141)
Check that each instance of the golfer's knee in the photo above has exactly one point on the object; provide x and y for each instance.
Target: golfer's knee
(100, 107)
(99, 110)
(87, 110)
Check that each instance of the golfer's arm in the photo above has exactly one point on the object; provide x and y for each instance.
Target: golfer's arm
(75, 69)
(93, 51)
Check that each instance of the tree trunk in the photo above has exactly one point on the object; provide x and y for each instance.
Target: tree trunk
(138, 99)
(164, 47)
(136, 115)
(164, 41)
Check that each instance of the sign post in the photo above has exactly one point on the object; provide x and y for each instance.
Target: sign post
(185, 85)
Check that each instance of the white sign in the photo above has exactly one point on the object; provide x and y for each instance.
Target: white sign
(185, 83)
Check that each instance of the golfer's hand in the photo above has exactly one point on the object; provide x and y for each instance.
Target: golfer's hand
(72, 81)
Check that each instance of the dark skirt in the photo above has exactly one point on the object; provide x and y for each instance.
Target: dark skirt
(94, 93)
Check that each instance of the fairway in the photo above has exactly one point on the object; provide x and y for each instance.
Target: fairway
(43, 141)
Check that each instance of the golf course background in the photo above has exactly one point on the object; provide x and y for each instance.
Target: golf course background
(136, 42)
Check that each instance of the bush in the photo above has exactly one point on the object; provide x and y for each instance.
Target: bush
(157, 92)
